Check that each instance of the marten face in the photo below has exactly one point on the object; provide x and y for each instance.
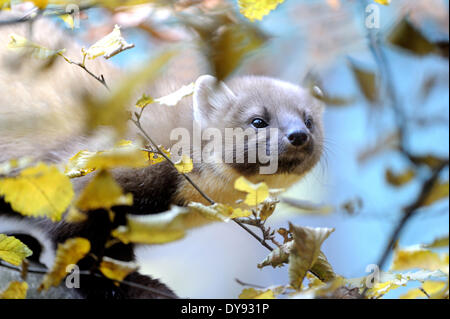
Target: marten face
(264, 126)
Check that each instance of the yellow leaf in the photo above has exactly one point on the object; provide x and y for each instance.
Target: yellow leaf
(383, 2)
(5, 5)
(381, 288)
(40, 191)
(15, 290)
(216, 212)
(391, 280)
(156, 158)
(116, 269)
(103, 192)
(399, 179)
(109, 46)
(434, 289)
(257, 9)
(174, 98)
(144, 101)
(429, 160)
(233, 43)
(413, 294)
(304, 253)
(41, 4)
(313, 281)
(438, 192)
(184, 165)
(323, 269)
(251, 293)
(75, 216)
(367, 82)
(256, 193)
(160, 228)
(67, 255)
(68, 20)
(406, 36)
(240, 213)
(438, 242)
(417, 257)
(13, 250)
(77, 165)
(278, 256)
(266, 208)
(437, 290)
(126, 154)
(23, 45)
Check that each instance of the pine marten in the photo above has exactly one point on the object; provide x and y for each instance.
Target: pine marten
(250, 103)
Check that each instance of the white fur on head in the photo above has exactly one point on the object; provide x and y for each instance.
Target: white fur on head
(12, 225)
(209, 96)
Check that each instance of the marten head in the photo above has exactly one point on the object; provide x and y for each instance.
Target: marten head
(258, 125)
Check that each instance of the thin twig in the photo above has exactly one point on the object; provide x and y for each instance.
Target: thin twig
(100, 78)
(424, 292)
(262, 241)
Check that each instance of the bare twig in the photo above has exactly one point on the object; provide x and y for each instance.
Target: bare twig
(82, 65)
(424, 292)
(261, 240)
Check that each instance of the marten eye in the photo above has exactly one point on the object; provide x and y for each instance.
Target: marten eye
(259, 123)
(309, 123)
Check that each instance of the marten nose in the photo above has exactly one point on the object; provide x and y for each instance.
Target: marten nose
(298, 138)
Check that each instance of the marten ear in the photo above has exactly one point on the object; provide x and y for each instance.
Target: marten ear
(210, 96)
(318, 94)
